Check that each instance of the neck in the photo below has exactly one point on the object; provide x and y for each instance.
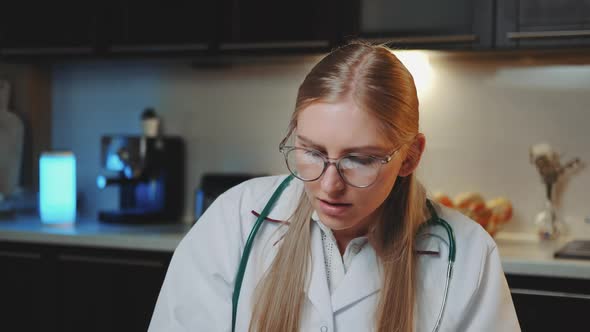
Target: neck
(344, 236)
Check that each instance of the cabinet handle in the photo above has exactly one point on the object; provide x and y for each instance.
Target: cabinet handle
(26, 255)
(274, 45)
(158, 48)
(47, 51)
(549, 293)
(104, 260)
(548, 34)
(444, 39)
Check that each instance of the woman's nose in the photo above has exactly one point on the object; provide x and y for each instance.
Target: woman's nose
(331, 181)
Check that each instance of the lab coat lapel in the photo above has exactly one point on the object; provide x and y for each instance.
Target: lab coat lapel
(318, 292)
(362, 279)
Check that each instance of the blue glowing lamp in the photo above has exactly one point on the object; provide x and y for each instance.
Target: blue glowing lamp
(57, 187)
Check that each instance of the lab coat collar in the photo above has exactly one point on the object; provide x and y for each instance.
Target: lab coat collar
(365, 274)
(362, 279)
(285, 205)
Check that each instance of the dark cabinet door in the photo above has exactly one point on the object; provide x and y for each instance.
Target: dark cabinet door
(25, 289)
(426, 23)
(543, 23)
(159, 26)
(108, 291)
(47, 27)
(278, 25)
(550, 304)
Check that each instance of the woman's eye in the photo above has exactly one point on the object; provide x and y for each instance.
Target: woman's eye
(311, 155)
(357, 161)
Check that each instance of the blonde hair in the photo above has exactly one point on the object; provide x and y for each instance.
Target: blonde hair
(380, 84)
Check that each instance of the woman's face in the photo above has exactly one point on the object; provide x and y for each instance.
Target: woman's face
(337, 130)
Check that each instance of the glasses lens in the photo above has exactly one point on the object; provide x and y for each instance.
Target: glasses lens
(305, 164)
(359, 171)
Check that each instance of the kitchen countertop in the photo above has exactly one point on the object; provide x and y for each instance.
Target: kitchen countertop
(90, 233)
(525, 254)
(521, 253)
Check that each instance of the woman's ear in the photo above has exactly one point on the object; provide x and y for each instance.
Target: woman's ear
(413, 155)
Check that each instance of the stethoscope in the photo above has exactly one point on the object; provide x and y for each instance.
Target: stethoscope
(435, 220)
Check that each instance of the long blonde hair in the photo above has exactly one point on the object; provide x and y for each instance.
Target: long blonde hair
(380, 84)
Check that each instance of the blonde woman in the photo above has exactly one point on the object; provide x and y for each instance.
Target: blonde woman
(350, 243)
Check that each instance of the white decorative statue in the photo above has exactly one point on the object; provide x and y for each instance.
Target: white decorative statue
(548, 163)
(11, 144)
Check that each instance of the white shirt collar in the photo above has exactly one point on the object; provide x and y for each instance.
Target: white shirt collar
(337, 265)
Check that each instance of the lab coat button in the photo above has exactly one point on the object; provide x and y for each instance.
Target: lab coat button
(324, 329)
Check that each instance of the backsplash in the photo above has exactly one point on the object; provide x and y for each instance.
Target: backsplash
(480, 116)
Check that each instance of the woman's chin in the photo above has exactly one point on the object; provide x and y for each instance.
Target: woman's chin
(335, 223)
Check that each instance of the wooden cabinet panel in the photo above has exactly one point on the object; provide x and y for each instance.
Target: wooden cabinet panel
(550, 304)
(158, 26)
(106, 292)
(543, 23)
(54, 288)
(542, 312)
(25, 288)
(47, 27)
(427, 23)
(268, 24)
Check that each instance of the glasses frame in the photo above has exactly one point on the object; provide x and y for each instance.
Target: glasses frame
(285, 149)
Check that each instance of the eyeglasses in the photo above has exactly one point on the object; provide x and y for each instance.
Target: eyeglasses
(356, 169)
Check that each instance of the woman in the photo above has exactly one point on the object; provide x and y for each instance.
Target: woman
(347, 246)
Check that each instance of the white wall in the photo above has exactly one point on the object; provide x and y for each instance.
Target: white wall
(480, 115)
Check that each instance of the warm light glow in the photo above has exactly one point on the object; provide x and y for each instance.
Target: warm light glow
(419, 66)
(57, 187)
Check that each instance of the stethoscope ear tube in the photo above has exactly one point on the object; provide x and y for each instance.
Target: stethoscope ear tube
(248, 247)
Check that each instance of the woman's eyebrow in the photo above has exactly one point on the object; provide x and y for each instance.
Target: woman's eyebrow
(307, 141)
(367, 148)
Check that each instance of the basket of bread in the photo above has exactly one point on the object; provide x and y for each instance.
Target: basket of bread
(491, 214)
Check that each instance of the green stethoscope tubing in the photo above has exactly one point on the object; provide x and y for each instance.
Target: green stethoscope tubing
(435, 220)
(248, 247)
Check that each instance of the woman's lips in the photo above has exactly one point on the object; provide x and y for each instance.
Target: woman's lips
(334, 208)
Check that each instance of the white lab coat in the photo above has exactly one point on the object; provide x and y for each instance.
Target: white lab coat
(197, 292)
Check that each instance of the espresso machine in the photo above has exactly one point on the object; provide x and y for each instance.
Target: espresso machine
(149, 172)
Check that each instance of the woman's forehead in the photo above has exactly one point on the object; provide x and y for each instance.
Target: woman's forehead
(340, 126)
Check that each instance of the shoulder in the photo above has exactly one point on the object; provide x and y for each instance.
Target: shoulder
(473, 245)
(469, 235)
(255, 187)
(475, 249)
(227, 221)
(234, 209)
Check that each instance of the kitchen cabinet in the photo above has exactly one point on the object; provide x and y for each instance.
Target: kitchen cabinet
(107, 290)
(25, 282)
(550, 304)
(251, 25)
(183, 27)
(59, 288)
(543, 23)
(158, 26)
(44, 28)
(454, 24)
